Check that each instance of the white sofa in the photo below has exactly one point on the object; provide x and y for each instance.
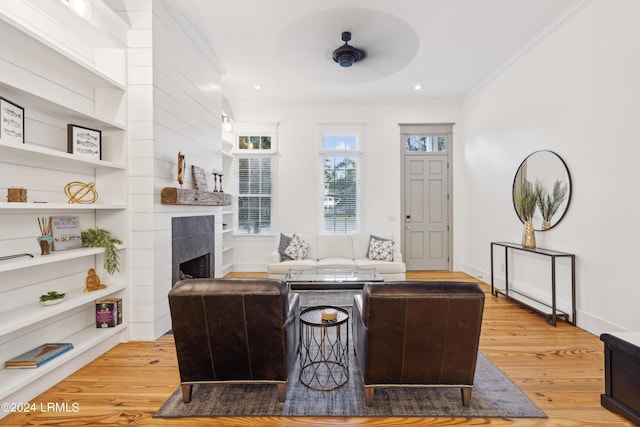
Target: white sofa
(339, 252)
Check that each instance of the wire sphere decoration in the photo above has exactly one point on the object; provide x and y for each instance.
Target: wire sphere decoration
(80, 192)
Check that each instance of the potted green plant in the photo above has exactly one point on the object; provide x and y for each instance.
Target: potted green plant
(101, 238)
(526, 201)
(51, 298)
(550, 203)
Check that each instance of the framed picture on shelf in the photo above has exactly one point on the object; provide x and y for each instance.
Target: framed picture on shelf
(200, 178)
(84, 141)
(11, 122)
(66, 232)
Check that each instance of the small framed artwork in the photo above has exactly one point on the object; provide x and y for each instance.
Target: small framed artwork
(66, 233)
(11, 122)
(84, 141)
(200, 178)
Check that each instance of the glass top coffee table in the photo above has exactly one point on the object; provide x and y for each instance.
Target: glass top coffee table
(336, 279)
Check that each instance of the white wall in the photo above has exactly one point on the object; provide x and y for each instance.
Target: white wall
(175, 98)
(576, 93)
(297, 198)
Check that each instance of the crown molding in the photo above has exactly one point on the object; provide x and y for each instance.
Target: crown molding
(550, 29)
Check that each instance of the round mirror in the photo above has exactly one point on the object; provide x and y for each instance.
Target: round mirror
(542, 189)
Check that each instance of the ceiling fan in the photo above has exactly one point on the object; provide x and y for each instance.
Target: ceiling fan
(346, 55)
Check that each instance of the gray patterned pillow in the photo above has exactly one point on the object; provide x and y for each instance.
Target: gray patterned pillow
(284, 242)
(380, 249)
(298, 248)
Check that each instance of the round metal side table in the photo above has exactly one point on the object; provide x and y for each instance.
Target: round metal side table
(324, 350)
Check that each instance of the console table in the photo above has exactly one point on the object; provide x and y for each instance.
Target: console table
(548, 309)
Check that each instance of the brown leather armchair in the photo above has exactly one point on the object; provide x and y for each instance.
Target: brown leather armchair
(409, 334)
(234, 331)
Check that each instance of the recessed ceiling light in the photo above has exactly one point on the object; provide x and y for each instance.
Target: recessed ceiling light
(417, 87)
(257, 87)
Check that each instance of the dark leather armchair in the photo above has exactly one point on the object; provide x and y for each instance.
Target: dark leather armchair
(418, 334)
(234, 331)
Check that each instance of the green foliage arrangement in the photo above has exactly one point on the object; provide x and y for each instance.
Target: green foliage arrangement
(101, 238)
(527, 200)
(550, 203)
(51, 296)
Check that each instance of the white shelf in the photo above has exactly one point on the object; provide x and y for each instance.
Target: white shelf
(14, 320)
(227, 230)
(39, 156)
(55, 256)
(16, 206)
(12, 380)
(227, 249)
(36, 42)
(57, 107)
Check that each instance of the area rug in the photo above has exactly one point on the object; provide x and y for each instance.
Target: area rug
(494, 396)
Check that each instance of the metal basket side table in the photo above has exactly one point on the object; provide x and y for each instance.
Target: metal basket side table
(324, 350)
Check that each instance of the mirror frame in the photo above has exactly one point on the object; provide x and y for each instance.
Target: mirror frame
(538, 227)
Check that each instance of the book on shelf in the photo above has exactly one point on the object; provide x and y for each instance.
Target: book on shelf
(39, 355)
(108, 312)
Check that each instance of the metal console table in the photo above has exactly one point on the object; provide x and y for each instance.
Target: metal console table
(550, 311)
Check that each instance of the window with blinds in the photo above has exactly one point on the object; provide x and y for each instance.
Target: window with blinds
(340, 183)
(254, 187)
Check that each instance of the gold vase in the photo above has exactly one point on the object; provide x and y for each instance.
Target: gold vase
(546, 224)
(529, 236)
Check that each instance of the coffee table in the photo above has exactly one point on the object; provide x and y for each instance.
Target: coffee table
(324, 348)
(328, 279)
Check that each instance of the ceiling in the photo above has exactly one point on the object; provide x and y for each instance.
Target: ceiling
(448, 46)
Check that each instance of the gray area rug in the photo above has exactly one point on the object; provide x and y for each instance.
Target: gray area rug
(494, 396)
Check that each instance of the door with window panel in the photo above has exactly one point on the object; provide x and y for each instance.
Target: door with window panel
(426, 202)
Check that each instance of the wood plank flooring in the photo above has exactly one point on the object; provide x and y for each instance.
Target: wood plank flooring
(561, 369)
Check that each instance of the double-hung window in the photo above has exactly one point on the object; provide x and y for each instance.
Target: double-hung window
(340, 165)
(254, 182)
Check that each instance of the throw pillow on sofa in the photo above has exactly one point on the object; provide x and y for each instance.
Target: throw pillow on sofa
(380, 249)
(297, 248)
(285, 241)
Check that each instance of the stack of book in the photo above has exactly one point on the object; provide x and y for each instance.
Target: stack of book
(39, 355)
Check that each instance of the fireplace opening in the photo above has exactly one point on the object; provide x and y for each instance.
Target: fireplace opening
(197, 268)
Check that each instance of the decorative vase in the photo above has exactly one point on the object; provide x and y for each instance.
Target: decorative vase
(546, 224)
(529, 237)
(45, 244)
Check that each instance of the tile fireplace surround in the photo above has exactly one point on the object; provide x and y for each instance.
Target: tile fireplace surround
(192, 237)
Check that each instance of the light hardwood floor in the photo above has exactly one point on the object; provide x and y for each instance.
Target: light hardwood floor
(560, 369)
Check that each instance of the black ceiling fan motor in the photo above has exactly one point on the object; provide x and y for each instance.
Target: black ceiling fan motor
(346, 55)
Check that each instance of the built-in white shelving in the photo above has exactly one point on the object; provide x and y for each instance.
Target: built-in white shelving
(39, 156)
(60, 77)
(227, 213)
(13, 380)
(55, 256)
(58, 206)
(20, 317)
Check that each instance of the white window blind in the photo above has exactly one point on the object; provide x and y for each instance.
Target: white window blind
(254, 189)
